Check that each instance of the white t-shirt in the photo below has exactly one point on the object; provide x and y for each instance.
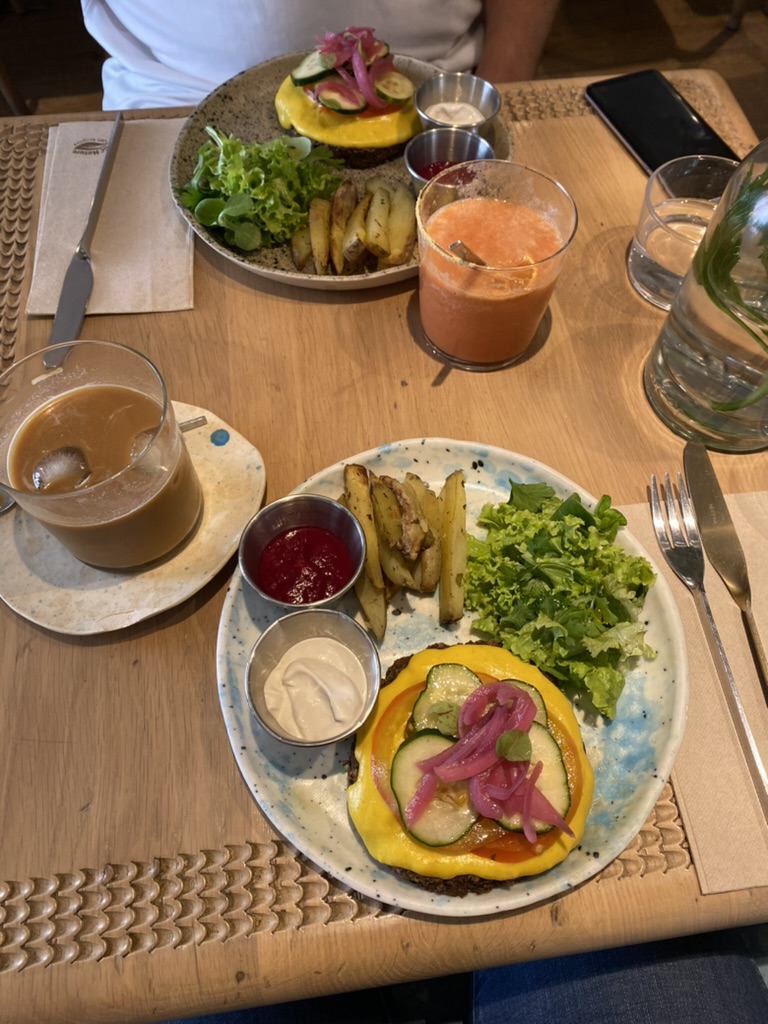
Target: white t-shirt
(174, 52)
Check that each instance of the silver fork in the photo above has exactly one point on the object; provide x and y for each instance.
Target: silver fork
(680, 544)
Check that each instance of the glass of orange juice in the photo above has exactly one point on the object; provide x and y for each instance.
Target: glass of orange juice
(481, 306)
(90, 448)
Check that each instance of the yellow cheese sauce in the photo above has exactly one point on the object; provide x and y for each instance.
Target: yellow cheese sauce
(354, 131)
(372, 815)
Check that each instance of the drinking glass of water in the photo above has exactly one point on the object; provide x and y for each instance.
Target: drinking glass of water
(678, 204)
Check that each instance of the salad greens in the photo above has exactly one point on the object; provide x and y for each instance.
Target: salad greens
(552, 587)
(258, 194)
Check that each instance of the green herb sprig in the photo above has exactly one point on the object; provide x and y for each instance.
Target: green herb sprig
(713, 266)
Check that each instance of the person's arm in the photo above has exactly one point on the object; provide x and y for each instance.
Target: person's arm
(515, 33)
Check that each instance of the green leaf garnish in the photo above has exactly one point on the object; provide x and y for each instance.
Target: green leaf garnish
(207, 211)
(514, 745)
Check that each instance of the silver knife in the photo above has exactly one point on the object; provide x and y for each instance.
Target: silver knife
(78, 280)
(722, 544)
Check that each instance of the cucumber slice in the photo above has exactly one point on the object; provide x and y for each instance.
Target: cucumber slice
(393, 87)
(447, 687)
(379, 49)
(449, 814)
(541, 708)
(338, 95)
(314, 67)
(553, 781)
(437, 706)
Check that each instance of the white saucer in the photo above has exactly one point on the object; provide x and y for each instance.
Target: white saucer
(44, 583)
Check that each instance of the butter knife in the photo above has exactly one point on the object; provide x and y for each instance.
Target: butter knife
(722, 545)
(78, 280)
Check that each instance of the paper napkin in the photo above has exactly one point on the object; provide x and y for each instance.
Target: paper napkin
(142, 250)
(724, 824)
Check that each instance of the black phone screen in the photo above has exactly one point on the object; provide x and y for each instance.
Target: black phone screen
(653, 120)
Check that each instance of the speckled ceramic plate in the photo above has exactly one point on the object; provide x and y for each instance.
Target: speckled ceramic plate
(44, 583)
(303, 792)
(244, 106)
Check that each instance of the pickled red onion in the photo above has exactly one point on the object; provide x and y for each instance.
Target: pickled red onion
(497, 788)
(531, 804)
(519, 703)
(420, 799)
(357, 47)
(363, 80)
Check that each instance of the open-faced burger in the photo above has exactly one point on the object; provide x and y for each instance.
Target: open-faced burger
(348, 94)
(471, 771)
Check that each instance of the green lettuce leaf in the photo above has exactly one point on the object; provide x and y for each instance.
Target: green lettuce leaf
(551, 585)
(258, 194)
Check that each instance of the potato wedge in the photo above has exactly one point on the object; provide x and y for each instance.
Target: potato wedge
(402, 227)
(357, 495)
(386, 512)
(453, 542)
(388, 520)
(342, 205)
(394, 566)
(319, 232)
(376, 181)
(429, 501)
(413, 523)
(301, 248)
(426, 571)
(414, 498)
(353, 243)
(377, 222)
(426, 574)
(373, 604)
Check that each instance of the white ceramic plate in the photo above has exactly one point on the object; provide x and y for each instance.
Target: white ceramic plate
(303, 792)
(244, 107)
(45, 584)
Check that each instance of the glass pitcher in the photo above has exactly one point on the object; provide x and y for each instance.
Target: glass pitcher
(707, 374)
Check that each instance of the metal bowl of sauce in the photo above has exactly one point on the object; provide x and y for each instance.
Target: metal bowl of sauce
(456, 100)
(313, 677)
(304, 550)
(432, 151)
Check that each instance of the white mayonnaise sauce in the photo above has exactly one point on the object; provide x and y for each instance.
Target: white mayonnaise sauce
(317, 689)
(455, 113)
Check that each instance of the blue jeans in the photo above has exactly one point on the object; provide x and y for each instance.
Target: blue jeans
(702, 980)
(707, 979)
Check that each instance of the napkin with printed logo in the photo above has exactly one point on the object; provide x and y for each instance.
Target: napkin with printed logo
(724, 823)
(142, 251)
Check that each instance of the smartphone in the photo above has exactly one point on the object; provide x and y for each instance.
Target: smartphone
(653, 120)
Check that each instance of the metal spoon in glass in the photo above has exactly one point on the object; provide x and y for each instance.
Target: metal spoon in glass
(69, 464)
(465, 253)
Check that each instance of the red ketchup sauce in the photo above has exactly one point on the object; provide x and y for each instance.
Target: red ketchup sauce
(304, 564)
(434, 168)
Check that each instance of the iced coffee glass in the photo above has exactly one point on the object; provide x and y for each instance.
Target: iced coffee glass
(90, 448)
(519, 223)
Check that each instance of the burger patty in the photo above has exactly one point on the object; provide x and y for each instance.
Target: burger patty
(365, 159)
(361, 159)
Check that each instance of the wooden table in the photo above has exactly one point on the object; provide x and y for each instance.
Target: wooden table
(138, 879)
